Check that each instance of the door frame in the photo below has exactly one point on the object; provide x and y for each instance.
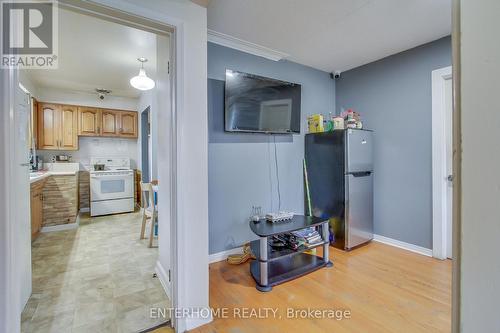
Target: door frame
(179, 185)
(439, 190)
(10, 318)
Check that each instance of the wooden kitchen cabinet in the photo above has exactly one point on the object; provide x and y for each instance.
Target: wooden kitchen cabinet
(36, 208)
(48, 126)
(128, 124)
(57, 127)
(89, 121)
(69, 128)
(110, 123)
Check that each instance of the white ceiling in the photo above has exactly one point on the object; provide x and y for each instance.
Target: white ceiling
(333, 34)
(94, 53)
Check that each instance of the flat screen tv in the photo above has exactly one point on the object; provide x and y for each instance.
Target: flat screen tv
(262, 105)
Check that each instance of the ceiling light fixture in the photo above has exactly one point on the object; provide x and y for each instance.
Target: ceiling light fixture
(142, 81)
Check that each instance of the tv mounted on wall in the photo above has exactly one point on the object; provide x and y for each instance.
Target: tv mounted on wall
(261, 105)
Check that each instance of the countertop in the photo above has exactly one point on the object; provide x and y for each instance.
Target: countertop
(55, 169)
(39, 175)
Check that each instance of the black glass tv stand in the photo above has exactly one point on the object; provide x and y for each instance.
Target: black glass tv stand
(273, 267)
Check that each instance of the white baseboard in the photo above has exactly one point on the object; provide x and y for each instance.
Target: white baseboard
(403, 245)
(220, 256)
(61, 227)
(192, 323)
(85, 210)
(163, 277)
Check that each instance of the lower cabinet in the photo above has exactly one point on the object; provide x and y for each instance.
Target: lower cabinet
(36, 208)
(54, 202)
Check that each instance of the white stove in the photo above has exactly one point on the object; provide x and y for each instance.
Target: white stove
(111, 189)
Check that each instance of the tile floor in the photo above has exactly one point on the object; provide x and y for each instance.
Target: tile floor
(97, 278)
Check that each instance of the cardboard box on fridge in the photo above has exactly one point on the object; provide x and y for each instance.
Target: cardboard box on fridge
(315, 123)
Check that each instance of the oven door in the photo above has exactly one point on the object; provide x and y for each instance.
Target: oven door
(105, 186)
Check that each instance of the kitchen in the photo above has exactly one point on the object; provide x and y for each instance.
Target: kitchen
(59, 183)
(90, 266)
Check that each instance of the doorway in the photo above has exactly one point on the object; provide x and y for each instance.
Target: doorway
(183, 157)
(102, 274)
(442, 162)
(146, 145)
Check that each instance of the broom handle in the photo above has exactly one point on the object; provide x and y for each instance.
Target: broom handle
(308, 194)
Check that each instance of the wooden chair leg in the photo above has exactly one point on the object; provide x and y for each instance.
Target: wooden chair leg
(143, 227)
(153, 220)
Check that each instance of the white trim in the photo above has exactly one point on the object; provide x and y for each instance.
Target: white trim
(163, 277)
(85, 210)
(439, 76)
(10, 317)
(192, 323)
(403, 245)
(60, 227)
(244, 46)
(220, 256)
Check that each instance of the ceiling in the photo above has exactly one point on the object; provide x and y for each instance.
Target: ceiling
(203, 3)
(94, 53)
(332, 35)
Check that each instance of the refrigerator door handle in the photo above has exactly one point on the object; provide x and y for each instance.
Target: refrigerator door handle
(361, 173)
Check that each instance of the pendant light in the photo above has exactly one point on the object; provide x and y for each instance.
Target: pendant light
(142, 81)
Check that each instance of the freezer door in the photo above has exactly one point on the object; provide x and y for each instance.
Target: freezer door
(359, 145)
(359, 208)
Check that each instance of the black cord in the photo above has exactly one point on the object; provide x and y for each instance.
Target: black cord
(277, 174)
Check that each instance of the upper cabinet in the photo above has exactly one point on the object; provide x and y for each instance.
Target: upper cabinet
(128, 124)
(89, 121)
(110, 123)
(60, 125)
(48, 123)
(117, 123)
(69, 128)
(57, 127)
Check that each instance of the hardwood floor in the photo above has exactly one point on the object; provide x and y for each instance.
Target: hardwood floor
(386, 289)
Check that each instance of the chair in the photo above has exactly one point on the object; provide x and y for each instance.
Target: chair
(150, 210)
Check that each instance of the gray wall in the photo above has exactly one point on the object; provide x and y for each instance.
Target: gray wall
(241, 170)
(393, 96)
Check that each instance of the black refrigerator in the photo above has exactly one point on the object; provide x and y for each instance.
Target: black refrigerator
(339, 184)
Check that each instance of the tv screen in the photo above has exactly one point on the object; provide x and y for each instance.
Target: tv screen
(259, 104)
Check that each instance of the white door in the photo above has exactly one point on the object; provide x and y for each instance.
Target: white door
(448, 99)
(161, 131)
(442, 157)
(21, 193)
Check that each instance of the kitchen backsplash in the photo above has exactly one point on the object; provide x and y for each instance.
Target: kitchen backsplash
(99, 147)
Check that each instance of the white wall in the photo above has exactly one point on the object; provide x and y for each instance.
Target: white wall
(480, 84)
(89, 146)
(27, 82)
(149, 98)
